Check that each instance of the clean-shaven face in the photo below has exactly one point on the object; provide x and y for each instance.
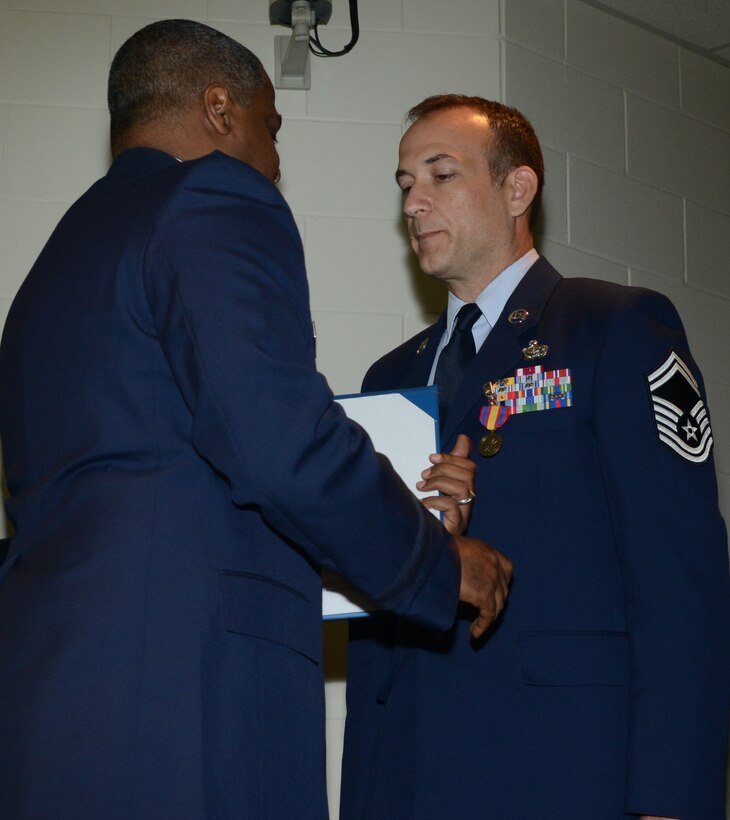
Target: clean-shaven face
(458, 222)
(256, 127)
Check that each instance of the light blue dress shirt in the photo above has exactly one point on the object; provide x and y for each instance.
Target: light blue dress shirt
(491, 302)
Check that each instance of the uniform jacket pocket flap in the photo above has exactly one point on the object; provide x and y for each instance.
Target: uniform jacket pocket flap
(265, 608)
(543, 421)
(575, 658)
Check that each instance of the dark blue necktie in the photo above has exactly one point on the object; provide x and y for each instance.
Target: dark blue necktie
(455, 357)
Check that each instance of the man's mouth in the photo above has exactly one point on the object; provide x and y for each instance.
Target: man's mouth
(424, 236)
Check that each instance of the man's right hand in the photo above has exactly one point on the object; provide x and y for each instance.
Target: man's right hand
(485, 579)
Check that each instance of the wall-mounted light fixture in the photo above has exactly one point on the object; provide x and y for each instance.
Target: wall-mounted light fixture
(291, 53)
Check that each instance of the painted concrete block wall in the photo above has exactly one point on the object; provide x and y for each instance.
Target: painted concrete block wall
(636, 132)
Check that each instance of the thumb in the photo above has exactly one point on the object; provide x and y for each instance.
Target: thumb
(462, 446)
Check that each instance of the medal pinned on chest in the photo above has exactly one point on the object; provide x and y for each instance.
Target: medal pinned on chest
(492, 416)
(530, 389)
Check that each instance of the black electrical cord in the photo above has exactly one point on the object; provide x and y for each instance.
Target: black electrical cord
(316, 47)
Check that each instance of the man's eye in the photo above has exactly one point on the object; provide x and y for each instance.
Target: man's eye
(443, 177)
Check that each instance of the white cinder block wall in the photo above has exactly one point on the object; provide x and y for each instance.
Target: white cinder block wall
(636, 133)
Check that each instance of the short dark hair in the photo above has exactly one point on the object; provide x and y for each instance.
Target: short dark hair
(513, 142)
(165, 66)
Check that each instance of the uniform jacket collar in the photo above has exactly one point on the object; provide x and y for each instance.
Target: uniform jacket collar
(140, 161)
(500, 353)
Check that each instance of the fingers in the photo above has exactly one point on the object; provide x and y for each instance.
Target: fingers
(480, 625)
(505, 569)
(451, 473)
(496, 600)
(485, 580)
(486, 617)
(489, 613)
(462, 446)
(455, 508)
(455, 516)
(442, 503)
(454, 503)
(459, 469)
(459, 455)
(446, 481)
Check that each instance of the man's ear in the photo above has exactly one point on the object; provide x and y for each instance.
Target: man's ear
(217, 105)
(522, 186)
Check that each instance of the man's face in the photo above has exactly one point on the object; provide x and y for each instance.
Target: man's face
(254, 132)
(458, 222)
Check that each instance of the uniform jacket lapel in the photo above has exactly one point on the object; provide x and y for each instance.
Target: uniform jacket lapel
(501, 353)
(418, 368)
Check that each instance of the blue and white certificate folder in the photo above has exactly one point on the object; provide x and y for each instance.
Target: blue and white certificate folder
(403, 425)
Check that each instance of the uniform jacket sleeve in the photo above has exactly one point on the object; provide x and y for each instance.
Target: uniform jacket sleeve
(673, 554)
(226, 285)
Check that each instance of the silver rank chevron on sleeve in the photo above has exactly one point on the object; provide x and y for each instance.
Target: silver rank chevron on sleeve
(680, 414)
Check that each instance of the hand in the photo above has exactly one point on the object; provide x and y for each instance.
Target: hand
(485, 579)
(452, 475)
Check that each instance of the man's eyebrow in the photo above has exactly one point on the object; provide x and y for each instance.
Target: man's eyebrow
(436, 158)
(430, 161)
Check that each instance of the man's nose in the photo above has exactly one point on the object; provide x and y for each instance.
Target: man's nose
(414, 202)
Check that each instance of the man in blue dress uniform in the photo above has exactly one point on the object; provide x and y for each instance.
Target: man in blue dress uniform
(178, 474)
(602, 690)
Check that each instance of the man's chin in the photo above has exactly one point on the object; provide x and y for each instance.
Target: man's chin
(430, 268)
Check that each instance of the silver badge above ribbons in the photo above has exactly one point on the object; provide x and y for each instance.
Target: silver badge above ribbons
(535, 350)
